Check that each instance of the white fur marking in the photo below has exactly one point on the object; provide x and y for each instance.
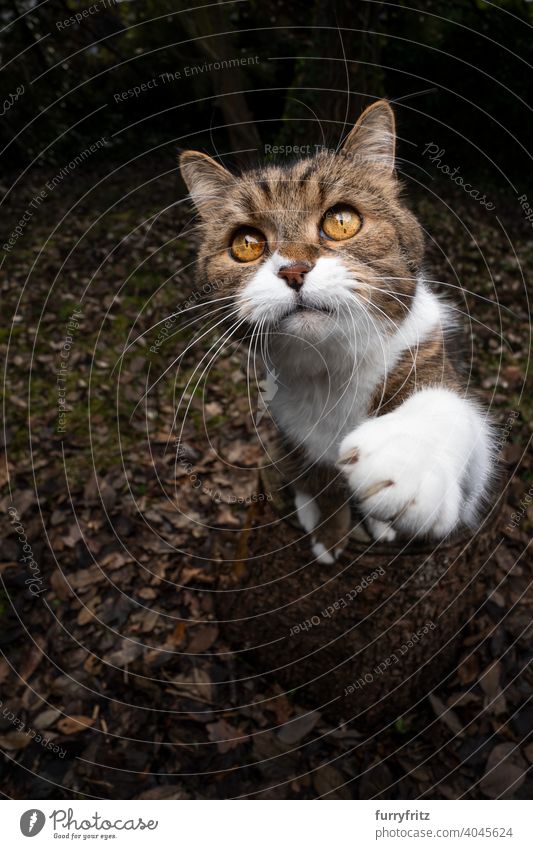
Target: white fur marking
(381, 531)
(322, 554)
(306, 510)
(435, 448)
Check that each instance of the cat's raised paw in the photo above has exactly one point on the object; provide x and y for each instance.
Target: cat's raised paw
(400, 482)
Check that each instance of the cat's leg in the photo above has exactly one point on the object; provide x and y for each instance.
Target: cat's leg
(423, 468)
(331, 533)
(327, 519)
(306, 510)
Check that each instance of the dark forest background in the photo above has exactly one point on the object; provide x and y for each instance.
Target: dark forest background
(122, 661)
(458, 72)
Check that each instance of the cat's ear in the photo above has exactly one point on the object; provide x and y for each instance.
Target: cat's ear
(373, 138)
(206, 180)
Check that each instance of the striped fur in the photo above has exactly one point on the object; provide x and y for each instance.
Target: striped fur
(360, 349)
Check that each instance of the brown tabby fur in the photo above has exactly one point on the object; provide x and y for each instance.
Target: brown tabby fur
(287, 204)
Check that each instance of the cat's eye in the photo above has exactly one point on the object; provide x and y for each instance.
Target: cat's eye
(247, 244)
(341, 222)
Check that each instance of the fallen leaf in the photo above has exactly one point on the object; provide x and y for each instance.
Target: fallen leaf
(15, 740)
(446, 715)
(177, 635)
(504, 773)
(60, 585)
(4, 670)
(528, 752)
(149, 621)
(468, 669)
(73, 537)
(46, 718)
(225, 735)
(201, 639)
(127, 653)
(115, 559)
(296, 729)
(75, 724)
(85, 578)
(329, 782)
(490, 684)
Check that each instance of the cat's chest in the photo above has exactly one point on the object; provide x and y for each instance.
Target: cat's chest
(317, 413)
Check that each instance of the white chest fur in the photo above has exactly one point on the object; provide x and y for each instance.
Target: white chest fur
(317, 412)
(323, 390)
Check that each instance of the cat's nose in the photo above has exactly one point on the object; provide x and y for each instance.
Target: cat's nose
(294, 275)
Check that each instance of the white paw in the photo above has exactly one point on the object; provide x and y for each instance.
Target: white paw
(400, 477)
(382, 531)
(306, 510)
(321, 553)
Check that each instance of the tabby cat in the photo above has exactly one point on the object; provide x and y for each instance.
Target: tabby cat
(323, 261)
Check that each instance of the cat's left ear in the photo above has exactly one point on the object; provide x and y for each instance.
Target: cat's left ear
(206, 180)
(373, 138)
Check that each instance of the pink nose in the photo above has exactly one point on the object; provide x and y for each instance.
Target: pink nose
(294, 275)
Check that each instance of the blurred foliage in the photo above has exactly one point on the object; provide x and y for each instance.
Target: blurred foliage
(471, 55)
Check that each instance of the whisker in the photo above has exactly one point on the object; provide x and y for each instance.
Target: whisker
(173, 363)
(460, 288)
(225, 338)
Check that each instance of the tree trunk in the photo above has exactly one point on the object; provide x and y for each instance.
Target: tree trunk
(365, 639)
(228, 83)
(327, 88)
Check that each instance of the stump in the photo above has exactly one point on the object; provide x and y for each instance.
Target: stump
(365, 639)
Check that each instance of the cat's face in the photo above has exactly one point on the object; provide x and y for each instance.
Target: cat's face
(314, 250)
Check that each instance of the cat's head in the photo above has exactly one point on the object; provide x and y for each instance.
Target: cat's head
(317, 247)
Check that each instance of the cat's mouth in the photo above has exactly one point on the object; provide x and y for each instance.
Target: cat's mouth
(301, 307)
(306, 308)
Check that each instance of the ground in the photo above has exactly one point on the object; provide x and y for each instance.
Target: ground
(112, 653)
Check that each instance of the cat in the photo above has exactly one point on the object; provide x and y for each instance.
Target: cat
(323, 261)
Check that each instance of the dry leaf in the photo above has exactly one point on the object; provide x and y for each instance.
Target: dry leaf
(73, 537)
(490, 684)
(329, 782)
(225, 516)
(225, 735)
(281, 707)
(528, 752)
(115, 559)
(296, 729)
(490, 679)
(201, 639)
(197, 686)
(85, 578)
(32, 659)
(177, 635)
(60, 585)
(505, 772)
(15, 740)
(46, 718)
(149, 621)
(468, 669)
(74, 724)
(446, 715)
(4, 670)
(127, 653)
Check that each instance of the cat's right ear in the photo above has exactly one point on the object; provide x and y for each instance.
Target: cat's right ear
(206, 180)
(373, 139)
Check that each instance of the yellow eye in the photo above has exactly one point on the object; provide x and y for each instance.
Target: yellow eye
(341, 222)
(247, 244)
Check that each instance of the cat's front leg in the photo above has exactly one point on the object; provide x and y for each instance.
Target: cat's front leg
(422, 469)
(327, 519)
